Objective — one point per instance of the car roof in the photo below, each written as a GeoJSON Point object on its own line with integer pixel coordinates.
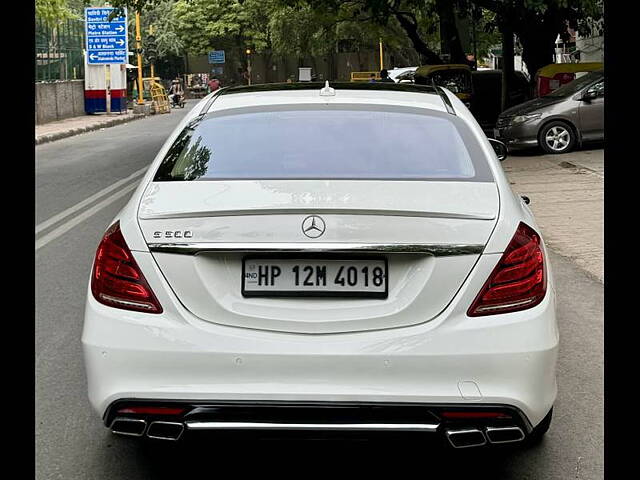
{"type": "Point", "coordinates": [356, 93]}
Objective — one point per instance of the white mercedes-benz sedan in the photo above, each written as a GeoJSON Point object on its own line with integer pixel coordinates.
{"type": "Point", "coordinates": [345, 257]}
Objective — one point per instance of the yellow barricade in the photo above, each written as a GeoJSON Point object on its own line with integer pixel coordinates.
{"type": "Point", "coordinates": [364, 76]}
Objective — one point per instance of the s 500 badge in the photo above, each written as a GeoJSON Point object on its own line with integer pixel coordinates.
{"type": "Point", "coordinates": [173, 234]}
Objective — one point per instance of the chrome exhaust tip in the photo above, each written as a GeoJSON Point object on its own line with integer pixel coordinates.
{"type": "Point", "coordinates": [133, 427]}
{"type": "Point", "coordinates": [504, 434]}
{"type": "Point", "coordinates": [466, 438]}
{"type": "Point", "coordinates": [165, 430]}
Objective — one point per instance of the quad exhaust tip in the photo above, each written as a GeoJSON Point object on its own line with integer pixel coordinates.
{"type": "Point", "coordinates": [165, 430]}
{"type": "Point", "coordinates": [476, 438]}
{"type": "Point", "coordinates": [505, 434]}
{"type": "Point", "coordinates": [466, 438]}
{"type": "Point", "coordinates": [133, 427]}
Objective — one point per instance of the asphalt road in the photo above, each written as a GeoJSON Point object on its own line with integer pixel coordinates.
{"type": "Point", "coordinates": [72, 443]}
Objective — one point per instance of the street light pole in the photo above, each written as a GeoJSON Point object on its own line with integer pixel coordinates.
{"type": "Point", "coordinates": [249, 65]}
{"type": "Point", "coordinates": [152, 66]}
{"type": "Point", "coordinates": [381, 59]}
{"type": "Point", "coordinates": [138, 49]}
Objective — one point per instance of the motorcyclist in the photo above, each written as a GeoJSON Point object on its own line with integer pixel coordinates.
{"type": "Point", "coordinates": [175, 92]}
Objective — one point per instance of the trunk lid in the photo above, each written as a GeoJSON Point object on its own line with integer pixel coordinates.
{"type": "Point", "coordinates": [233, 218]}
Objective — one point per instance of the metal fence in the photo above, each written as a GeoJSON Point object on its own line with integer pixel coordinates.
{"type": "Point", "coordinates": [59, 51]}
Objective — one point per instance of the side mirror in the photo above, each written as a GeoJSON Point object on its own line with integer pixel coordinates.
{"type": "Point", "coordinates": [589, 95]}
{"type": "Point", "coordinates": [499, 147]}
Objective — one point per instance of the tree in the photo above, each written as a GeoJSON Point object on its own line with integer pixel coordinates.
{"type": "Point", "coordinates": [54, 11]}
{"type": "Point", "coordinates": [166, 41]}
{"type": "Point", "coordinates": [537, 23]}
{"type": "Point", "coordinates": [409, 15]}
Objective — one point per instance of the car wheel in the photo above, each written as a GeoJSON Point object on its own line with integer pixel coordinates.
{"type": "Point", "coordinates": [538, 432]}
{"type": "Point", "coordinates": [557, 137]}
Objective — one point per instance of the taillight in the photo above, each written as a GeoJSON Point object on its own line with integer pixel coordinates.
{"type": "Point", "coordinates": [116, 280]}
{"type": "Point", "coordinates": [519, 280]}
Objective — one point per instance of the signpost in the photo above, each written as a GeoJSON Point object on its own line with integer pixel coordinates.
{"type": "Point", "coordinates": [216, 56]}
{"type": "Point", "coordinates": [106, 42]}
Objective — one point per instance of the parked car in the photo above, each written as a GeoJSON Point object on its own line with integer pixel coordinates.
{"type": "Point", "coordinates": [558, 122]}
{"type": "Point", "coordinates": [344, 258]}
{"type": "Point", "coordinates": [487, 99]}
{"type": "Point", "coordinates": [403, 74]}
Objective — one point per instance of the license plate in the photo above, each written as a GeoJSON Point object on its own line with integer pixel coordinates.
{"type": "Point", "coordinates": [285, 277]}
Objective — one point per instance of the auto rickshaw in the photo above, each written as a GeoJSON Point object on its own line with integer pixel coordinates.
{"type": "Point", "coordinates": [453, 77]}
{"type": "Point", "coordinates": [554, 75]}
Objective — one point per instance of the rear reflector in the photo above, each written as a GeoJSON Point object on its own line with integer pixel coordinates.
{"type": "Point", "coordinates": [152, 410]}
{"type": "Point", "coordinates": [519, 280]}
{"type": "Point", "coordinates": [116, 280]}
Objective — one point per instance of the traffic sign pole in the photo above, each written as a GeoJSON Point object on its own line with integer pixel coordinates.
{"type": "Point", "coordinates": [138, 49]}
{"type": "Point", "coordinates": [107, 74]}
{"type": "Point", "coordinates": [152, 66]}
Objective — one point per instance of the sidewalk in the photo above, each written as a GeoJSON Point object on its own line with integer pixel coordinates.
{"type": "Point", "coordinates": [68, 127]}
{"type": "Point", "coordinates": [567, 199]}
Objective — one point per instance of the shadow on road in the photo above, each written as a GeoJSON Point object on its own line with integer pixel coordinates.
{"type": "Point", "coordinates": [207, 456]}
{"type": "Point", "coordinates": [529, 152]}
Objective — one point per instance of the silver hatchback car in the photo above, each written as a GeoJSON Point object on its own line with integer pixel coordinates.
{"type": "Point", "coordinates": [569, 116]}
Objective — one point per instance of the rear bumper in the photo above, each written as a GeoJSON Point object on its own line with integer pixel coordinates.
{"type": "Point", "coordinates": [171, 420]}
{"type": "Point", "coordinates": [501, 360]}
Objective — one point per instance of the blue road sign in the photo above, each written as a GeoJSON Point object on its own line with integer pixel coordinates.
{"type": "Point", "coordinates": [106, 40]}
{"type": "Point", "coordinates": [216, 56]}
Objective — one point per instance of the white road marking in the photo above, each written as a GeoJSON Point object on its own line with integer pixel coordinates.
{"type": "Point", "coordinates": [65, 227]}
{"type": "Point", "coordinates": [65, 213]}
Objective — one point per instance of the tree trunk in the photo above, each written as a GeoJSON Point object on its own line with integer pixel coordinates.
{"type": "Point", "coordinates": [268, 66]}
{"type": "Point", "coordinates": [449, 35]}
{"type": "Point", "coordinates": [427, 56]}
{"type": "Point", "coordinates": [538, 50]}
{"type": "Point", "coordinates": [507, 64]}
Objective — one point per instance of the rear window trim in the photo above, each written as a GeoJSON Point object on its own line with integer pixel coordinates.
{"type": "Point", "coordinates": [483, 172]}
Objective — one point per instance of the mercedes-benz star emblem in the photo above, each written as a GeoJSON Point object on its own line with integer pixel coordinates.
{"type": "Point", "coordinates": [313, 226]}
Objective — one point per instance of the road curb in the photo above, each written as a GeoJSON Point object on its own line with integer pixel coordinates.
{"type": "Point", "coordinates": [76, 131]}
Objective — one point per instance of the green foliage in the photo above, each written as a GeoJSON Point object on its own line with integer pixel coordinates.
{"type": "Point", "coordinates": [203, 24]}
{"type": "Point", "coordinates": [314, 27]}
{"type": "Point", "coordinates": [166, 41]}
{"type": "Point", "coordinates": [54, 11]}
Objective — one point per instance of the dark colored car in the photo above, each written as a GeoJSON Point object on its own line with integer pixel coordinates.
{"type": "Point", "coordinates": [487, 99]}
{"type": "Point", "coordinates": [569, 116]}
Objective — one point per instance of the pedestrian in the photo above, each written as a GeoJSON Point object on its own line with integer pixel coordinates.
{"type": "Point", "coordinates": [384, 76]}
{"type": "Point", "coordinates": [214, 84]}
{"type": "Point", "coordinates": [372, 78]}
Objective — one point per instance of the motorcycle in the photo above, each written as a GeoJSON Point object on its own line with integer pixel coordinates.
{"type": "Point", "coordinates": [177, 100]}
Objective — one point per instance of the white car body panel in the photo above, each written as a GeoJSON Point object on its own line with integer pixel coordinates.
{"type": "Point", "coordinates": [212, 344]}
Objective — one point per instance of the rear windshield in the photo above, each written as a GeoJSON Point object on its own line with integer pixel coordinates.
{"type": "Point", "coordinates": [324, 143]}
